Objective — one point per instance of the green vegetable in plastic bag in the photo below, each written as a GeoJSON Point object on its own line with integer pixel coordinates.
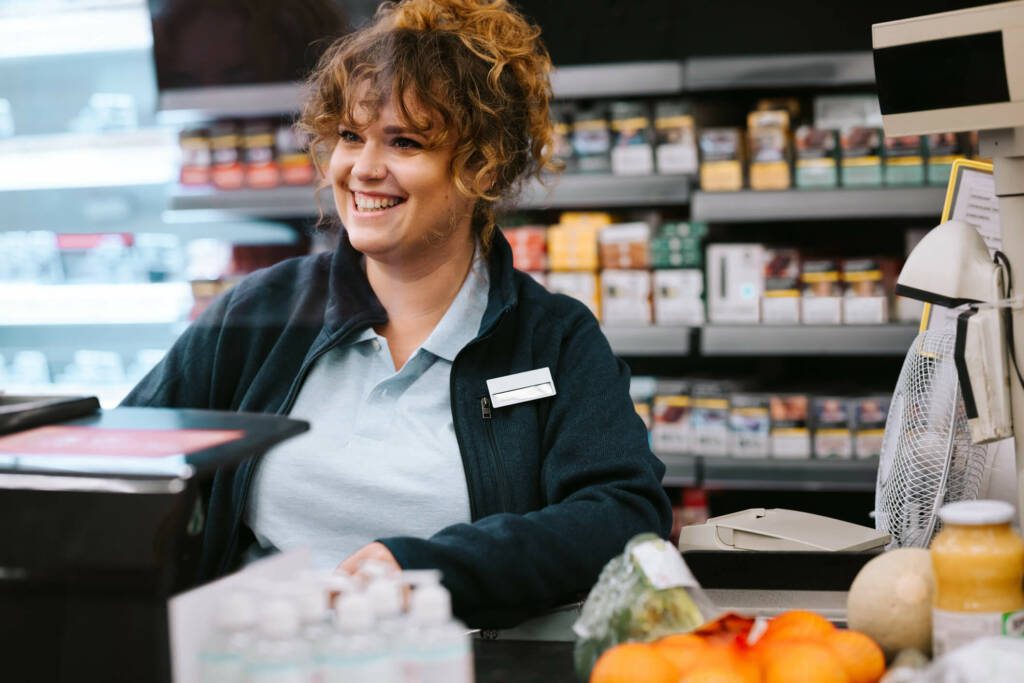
{"type": "Point", "coordinates": [641, 595]}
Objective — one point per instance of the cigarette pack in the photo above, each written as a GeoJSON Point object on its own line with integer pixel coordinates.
{"type": "Point", "coordinates": [781, 301]}
{"type": "Point", "coordinates": [626, 297]}
{"type": "Point", "coordinates": [672, 407]}
{"type": "Point", "coordinates": [643, 409]}
{"type": "Point", "coordinates": [625, 245]}
{"type": "Point", "coordinates": [529, 246]}
{"type": "Point", "coordinates": [679, 245]}
{"type": "Point", "coordinates": [870, 414]}
{"type": "Point", "coordinates": [561, 123]}
{"type": "Point", "coordinates": [678, 297]}
{"type": "Point", "coordinates": [749, 426]}
{"type": "Point", "coordinates": [710, 420]}
{"type": "Point", "coordinates": [790, 433]}
{"type": "Point", "coordinates": [904, 160]}
{"type": "Point", "coordinates": [582, 286]}
{"type": "Point", "coordinates": [722, 157]}
{"type": "Point", "coordinates": [942, 150]}
{"type": "Point", "coordinates": [632, 151]}
{"type": "Point", "coordinates": [864, 301]}
{"type": "Point", "coordinates": [833, 428]}
{"type": "Point", "coordinates": [821, 302]}
{"type": "Point", "coordinates": [573, 247]}
{"type": "Point", "coordinates": [592, 140]}
{"type": "Point", "coordinates": [817, 157]}
{"type": "Point", "coordinates": [768, 140]}
{"type": "Point", "coordinates": [196, 158]}
{"type": "Point", "coordinates": [861, 154]}
{"type": "Point", "coordinates": [675, 137]}
{"type": "Point", "coordinates": [735, 282]}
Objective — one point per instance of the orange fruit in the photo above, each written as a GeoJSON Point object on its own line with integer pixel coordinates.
{"type": "Point", "coordinates": [633, 663]}
{"type": "Point", "coordinates": [685, 650]}
{"type": "Point", "coordinates": [860, 656]}
{"type": "Point", "coordinates": [799, 624]}
{"type": "Point", "coordinates": [717, 673]}
{"type": "Point", "coordinates": [801, 661]}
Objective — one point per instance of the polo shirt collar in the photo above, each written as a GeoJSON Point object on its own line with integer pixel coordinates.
{"type": "Point", "coordinates": [461, 322]}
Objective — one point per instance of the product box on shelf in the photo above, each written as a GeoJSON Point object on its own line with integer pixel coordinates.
{"type": "Point", "coordinates": [678, 245]}
{"type": "Point", "coordinates": [749, 426]}
{"type": "Point", "coordinates": [582, 286]}
{"type": "Point", "coordinates": [817, 157]}
{"type": "Point", "coordinates": [842, 111]}
{"type": "Point", "coordinates": [259, 155]}
{"type": "Point", "coordinates": [870, 414]}
{"type": "Point", "coordinates": [196, 158]}
{"type": "Point", "coordinates": [821, 301]}
{"type": "Point", "coordinates": [833, 428]}
{"type": "Point", "coordinates": [529, 246]}
{"type": "Point", "coordinates": [675, 137]}
{"type": "Point", "coordinates": [769, 143]}
{"type": "Point", "coordinates": [643, 409]}
{"type": "Point", "coordinates": [592, 140]}
{"type": "Point", "coordinates": [670, 431]}
{"type": "Point", "coordinates": [625, 245]}
{"type": "Point", "coordinates": [561, 123]}
{"type": "Point", "coordinates": [227, 172]}
{"type": "Point", "coordinates": [632, 151]}
{"type": "Point", "coordinates": [678, 297]}
{"type": "Point", "coordinates": [722, 158]}
{"type": "Point", "coordinates": [573, 247]}
{"type": "Point", "coordinates": [780, 303]}
{"type": "Point", "coordinates": [942, 150]}
{"type": "Point", "coordinates": [710, 419]}
{"type": "Point", "coordinates": [904, 160]}
{"type": "Point", "coordinates": [735, 282]}
{"type": "Point", "coordinates": [295, 163]}
{"type": "Point", "coordinates": [865, 301]}
{"type": "Point", "coordinates": [861, 154]}
{"type": "Point", "coordinates": [626, 297]}
{"type": "Point", "coordinates": [790, 430]}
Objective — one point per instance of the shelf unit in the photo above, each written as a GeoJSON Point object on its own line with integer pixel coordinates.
{"type": "Point", "coordinates": [802, 205]}
{"type": "Point", "coordinates": [802, 340]}
{"type": "Point", "coordinates": [124, 337]}
{"type": "Point", "coordinates": [657, 340]}
{"type": "Point", "coordinates": [789, 475]}
{"type": "Point", "coordinates": [827, 69]}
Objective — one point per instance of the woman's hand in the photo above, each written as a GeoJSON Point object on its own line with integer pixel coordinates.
{"type": "Point", "coordinates": [374, 552]}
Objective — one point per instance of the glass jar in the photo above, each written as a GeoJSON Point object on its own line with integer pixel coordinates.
{"type": "Point", "coordinates": [979, 569]}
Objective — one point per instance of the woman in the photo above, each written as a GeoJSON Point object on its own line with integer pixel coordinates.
{"type": "Point", "coordinates": [420, 123]}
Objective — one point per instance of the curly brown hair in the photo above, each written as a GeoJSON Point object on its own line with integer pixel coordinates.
{"type": "Point", "coordinates": [476, 65]}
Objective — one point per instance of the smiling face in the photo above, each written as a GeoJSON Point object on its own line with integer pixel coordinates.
{"type": "Point", "coordinates": [394, 191]}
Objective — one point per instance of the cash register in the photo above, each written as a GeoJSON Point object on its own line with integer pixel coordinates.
{"type": "Point", "coordinates": [101, 522]}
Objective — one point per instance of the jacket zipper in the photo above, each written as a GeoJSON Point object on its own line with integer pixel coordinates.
{"type": "Point", "coordinates": [499, 466]}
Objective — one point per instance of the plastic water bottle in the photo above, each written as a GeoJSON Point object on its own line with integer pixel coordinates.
{"type": "Point", "coordinates": [437, 647]}
{"type": "Point", "coordinates": [222, 657]}
{"type": "Point", "coordinates": [279, 655]}
{"type": "Point", "coordinates": [354, 653]}
{"type": "Point", "coordinates": [386, 596]}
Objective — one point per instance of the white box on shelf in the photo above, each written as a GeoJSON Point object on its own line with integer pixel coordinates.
{"type": "Point", "coordinates": [581, 286]}
{"type": "Point", "coordinates": [735, 282]}
{"type": "Point", "coordinates": [821, 310]}
{"type": "Point", "coordinates": [626, 297]}
{"type": "Point", "coordinates": [865, 310]}
{"type": "Point", "coordinates": [780, 310]}
{"type": "Point", "coordinates": [678, 297]}
{"type": "Point", "coordinates": [749, 426]}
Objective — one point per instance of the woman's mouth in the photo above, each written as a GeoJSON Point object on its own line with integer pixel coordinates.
{"type": "Point", "coordinates": [367, 203]}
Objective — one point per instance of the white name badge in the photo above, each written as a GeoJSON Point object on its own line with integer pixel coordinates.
{"type": "Point", "coordinates": [521, 387]}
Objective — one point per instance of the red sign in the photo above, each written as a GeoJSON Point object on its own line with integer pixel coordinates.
{"type": "Point", "coordinates": [139, 443]}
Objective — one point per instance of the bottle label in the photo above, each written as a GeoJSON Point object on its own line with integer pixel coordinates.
{"type": "Point", "coordinates": [663, 566]}
{"type": "Point", "coordinates": [950, 630]}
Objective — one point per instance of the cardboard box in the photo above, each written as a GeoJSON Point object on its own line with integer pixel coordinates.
{"type": "Point", "coordinates": [675, 137]}
{"type": "Point", "coordinates": [678, 297]}
{"type": "Point", "coordinates": [749, 426]}
{"type": "Point", "coordinates": [735, 282]}
{"type": "Point", "coordinates": [625, 245]}
{"type": "Point", "coordinates": [722, 157]}
{"type": "Point", "coordinates": [626, 297]}
{"type": "Point", "coordinates": [904, 160]}
{"type": "Point", "coordinates": [780, 303]}
{"type": "Point", "coordinates": [817, 157]}
{"type": "Point", "coordinates": [861, 156]}
{"type": "Point", "coordinates": [582, 286]}
{"type": "Point", "coordinates": [870, 414]}
{"type": "Point", "coordinates": [768, 140]}
{"type": "Point", "coordinates": [833, 428]}
{"type": "Point", "coordinates": [864, 301]}
{"type": "Point", "coordinates": [821, 301]}
{"type": "Point", "coordinates": [790, 432]}
{"type": "Point", "coordinates": [632, 148]}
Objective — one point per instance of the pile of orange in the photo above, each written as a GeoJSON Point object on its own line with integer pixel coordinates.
{"type": "Point", "coordinates": [796, 647]}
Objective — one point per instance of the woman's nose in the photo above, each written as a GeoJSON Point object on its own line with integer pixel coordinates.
{"type": "Point", "coordinates": [369, 165]}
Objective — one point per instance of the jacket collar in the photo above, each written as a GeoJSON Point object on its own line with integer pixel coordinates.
{"type": "Point", "coordinates": [351, 300]}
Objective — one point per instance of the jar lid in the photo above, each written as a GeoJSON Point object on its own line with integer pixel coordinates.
{"type": "Point", "coordinates": [977, 512]}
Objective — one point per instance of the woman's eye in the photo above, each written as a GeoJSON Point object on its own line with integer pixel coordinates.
{"type": "Point", "coordinates": [348, 136]}
{"type": "Point", "coordinates": [406, 143]}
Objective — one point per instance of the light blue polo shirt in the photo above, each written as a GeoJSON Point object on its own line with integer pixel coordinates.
{"type": "Point", "coordinates": [380, 458]}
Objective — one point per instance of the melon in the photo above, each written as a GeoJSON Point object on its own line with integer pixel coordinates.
{"type": "Point", "coordinates": [891, 600]}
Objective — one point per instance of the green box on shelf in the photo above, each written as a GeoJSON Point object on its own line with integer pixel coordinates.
{"type": "Point", "coordinates": [812, 177]}
{"type": "Point", "coordinates": [904, 160]}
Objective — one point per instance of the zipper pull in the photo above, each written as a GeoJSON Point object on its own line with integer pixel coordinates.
{"type": "Point", "coordinates": [485, 407]}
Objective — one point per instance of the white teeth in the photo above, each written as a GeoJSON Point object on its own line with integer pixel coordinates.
{"type": "Point", "coordinates": [364, 203]}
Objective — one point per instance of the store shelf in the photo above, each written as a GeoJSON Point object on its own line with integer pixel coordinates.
{"type": "Point", "coordinates": [123, 337]}
{"type": "Point", "coordinates": [780, 71]}
{"type": "Point", "coordinates": [194, 105]}
{"type": "Point", "coordinates": [281, 202]}
{"type": "Point", "coordinates": [629, 79]}
{"type": "Point", "coordinates": [797, 205]}
{"type": "Point", "coordinates": [680, 470]}
{"type": "Point", "coordinates": [803, 340]}
{"type": "Point", "coordinates": [789, 475]}
{"type": "Point", "coordinates": [657, 340]}
{"type": "Point", "coordinates": [590, 191]}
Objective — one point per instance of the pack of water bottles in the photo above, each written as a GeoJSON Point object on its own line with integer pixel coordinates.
{"type": "Point", "coordinates": [323, 628]}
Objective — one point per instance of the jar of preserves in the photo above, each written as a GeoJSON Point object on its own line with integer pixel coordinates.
{"type": "Point", "coordinates": [979, 569]}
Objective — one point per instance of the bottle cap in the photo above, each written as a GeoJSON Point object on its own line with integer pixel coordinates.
{"type": "Point", "coordinates": [354, 613]}
{"type": "Point", "coordinates": [385, 594]}
{"type": "Point", "coordinates": [278, 619]}
{"type": "Point", "coordinates": [977, 512]}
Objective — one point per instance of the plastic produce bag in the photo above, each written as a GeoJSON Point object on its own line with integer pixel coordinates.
{"type": "Point", "coordinates": [641, 595]}
{"type": "Point", "coordinates": [999, 659]}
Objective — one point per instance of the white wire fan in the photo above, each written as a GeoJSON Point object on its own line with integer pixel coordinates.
{"type": "Point", "coordinates": [927, 456]}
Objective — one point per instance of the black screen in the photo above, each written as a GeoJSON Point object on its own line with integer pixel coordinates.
{"type": "Point", "coordinates": [202, 43]}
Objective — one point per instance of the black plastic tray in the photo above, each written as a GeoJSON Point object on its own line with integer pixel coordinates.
{"type": "Point", "coordinates": [21, 412]}
{"type": "Point", "coordinates": [759, 570]}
